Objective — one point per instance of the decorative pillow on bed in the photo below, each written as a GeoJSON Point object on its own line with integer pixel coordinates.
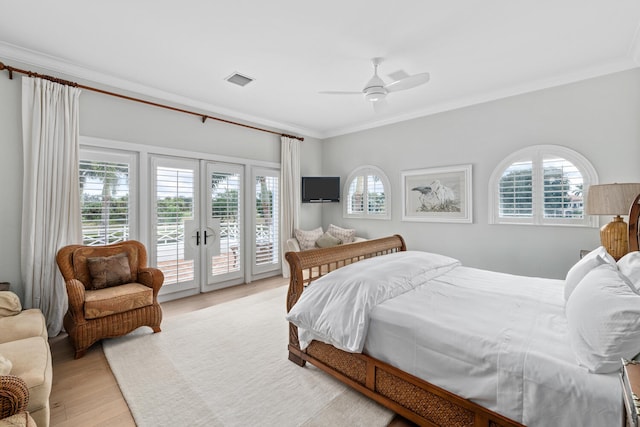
{"type": "Point", "coordinates": [307, 239]}
{"type": "Point", "coordinates": [327, 241]}
{"type": "Point", "coordinates": [580, 269]}
{"type": "Point", "coordinates": [603, 317]}
{"type": "Point", "coordinates": [346, 235]}
{"type": "Point", "coordinates": [109, 271]}
{"type": "Point", "coordinates": [629, 265]}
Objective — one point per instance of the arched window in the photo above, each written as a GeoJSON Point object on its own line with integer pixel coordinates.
{"type": "Point", "coordinates": [541, 185]}
{"type": "Point", "coordinates": [367, 191]}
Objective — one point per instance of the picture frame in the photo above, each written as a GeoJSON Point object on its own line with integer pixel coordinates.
{"type": "Point", "coordinates": [441, 194]}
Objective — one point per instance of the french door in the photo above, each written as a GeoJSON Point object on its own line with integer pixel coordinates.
{"type": "Point", "coordinates": [199, 224]}
{"type": "Point", "coordinates": [223, 213]}
{"type": "Point", "coordinates": [266, 221]}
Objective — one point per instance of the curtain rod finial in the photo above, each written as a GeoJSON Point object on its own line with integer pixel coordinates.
{"type": "Point", "coordinates": [4, 67]}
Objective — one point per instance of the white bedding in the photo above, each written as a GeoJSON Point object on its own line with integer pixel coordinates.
{"type": "Point", "coordinates": [497, 339]}
{"type": "Point", "coordinates": [321, 312]}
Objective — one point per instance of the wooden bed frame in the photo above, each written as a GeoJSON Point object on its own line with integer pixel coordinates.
{"type": "Point", "coordinates": [405, 394]}
{"type": "Point", "coordinates": [411, 397]}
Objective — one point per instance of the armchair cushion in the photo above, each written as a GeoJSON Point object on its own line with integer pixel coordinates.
{"type": "Point", "coordinates": [116, 299]}
{"type": "Point", "coordinates": [107, 271]}
{"type": "Point", "coordinates": [28, 323]}
{"type": "Point", "coordinates": [9, 304]}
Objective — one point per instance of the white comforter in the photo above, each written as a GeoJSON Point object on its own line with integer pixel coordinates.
{"type": "Point", "coordinates": [335, 308]}
{"type": "Point", "coordinates": [497, 339]}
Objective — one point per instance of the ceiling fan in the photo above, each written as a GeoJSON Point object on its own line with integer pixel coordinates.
{"type": "Point", "coordinates": [376, 90]}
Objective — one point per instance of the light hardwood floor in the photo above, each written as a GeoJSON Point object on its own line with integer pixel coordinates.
{"type": "Point", "coordinates": [85, 392]}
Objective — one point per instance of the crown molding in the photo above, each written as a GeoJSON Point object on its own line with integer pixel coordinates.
{"type": "Point", "coordinates": [48, 63]}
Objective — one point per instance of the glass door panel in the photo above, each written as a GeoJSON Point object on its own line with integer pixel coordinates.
{"type": "Point", "coordinates": [224, 221]}
{"type": "Point", "coordinates": [176, 212]}
{"type": "Point", "coordinates": [266, 233]}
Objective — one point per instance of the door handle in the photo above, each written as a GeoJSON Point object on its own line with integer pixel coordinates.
{"type": "Point", "coordinates": [198, 239]}
{"type": "Point", "coordinates": [205, 237]}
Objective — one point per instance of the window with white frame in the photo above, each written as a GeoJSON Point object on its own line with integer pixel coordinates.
{"type": "Point", "coordinates": [107, 184]}
{"type": "Point", "coordinates": [541, 185]}
{"type": "Point", "coordinates": [368, 194]}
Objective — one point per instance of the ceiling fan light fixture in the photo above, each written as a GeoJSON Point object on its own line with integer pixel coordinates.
{"type": "Point", "coordinates": [376, 90]}
{"type": "Point", "coordinates": [375, 95]}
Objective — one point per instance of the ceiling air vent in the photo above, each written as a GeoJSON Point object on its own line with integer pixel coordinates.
{"type": "Point", "coordinates": [239, 79]}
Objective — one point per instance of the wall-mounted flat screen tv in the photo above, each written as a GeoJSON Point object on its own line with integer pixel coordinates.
{"type": "Point", "coordinates": [320, 189]}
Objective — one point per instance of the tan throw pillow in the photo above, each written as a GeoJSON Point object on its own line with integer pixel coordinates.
{"type": "Point", "coordinates": [9, 304]}
{"type": "Point", "coordinates": [347, 235]}
{"type": "Point", "coordinates": [5, 365]}
{"type": "Point", "coordinates": [307, 239]}
{"type": "Point", "coordinates": [109, 271]}
{"type": "Point", "coordinates": [327, 241]}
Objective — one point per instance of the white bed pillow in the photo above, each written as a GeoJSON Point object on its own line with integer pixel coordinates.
{"type": "Point", "coordinates": [307, 238]}
{"type": "Point", "coordinates": [603, 317]}
{"type": "Point", "coordinates": [580, 269]}
{"type": "Point", "coordinates": [629, 265]}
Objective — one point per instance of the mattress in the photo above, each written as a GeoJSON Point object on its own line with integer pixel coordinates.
{"type": "Point", "coordinates": [499, 340]}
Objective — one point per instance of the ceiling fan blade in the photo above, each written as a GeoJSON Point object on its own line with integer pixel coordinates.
{"type": "Point", "coordinates": [398, 75]}
{"type": "Point", "coordinates": [339, 92]}
{"type": "Point", "coordinates": [380, 105]}
{"type": "Point", "coordinates": [408, 82]}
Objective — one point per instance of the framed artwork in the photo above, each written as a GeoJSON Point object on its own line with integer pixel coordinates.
{"type": "Point", "coordinates": [437, 194]}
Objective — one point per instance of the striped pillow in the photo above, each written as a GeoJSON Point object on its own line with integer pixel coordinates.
{"type": "Point", "coordinates": [307, 239]}
{"type": "Point", "coordinates": [347, 235]}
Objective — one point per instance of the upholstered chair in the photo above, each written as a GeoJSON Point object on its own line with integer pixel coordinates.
{"type": "Point", "coordinates": [111, 291]}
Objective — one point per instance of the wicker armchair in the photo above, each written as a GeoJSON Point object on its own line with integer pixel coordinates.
{"type": "Point", "coordinates": [14, 397]}
{"type": "Point", "coordinates": [107, 299]}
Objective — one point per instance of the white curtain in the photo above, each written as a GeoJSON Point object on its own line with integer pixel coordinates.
{"type": "Point", "coordinates": [51, 199]}
{"type": "Point", "coordinates": [290, 196]}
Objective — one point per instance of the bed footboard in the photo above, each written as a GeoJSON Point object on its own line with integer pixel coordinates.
{"type": "Point", "coordinates": [409, 396]}
{"type": "Point", "coordinates": [307, 266]}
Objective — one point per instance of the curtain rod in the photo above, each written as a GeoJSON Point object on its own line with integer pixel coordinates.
{"type": "Point", "coordinates": [204, 117]}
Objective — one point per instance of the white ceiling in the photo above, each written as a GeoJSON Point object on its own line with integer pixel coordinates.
{"type": "Point", "coordinates": [181, 51]}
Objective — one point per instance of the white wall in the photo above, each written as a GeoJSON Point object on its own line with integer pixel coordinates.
{"type": "Point", "coordinates": [112, 118]}
{"type": "Point", "coordinates": [599, 118]}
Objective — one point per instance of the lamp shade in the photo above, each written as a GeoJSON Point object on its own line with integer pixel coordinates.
{"type": "Point", "coordinates": [611, 199]}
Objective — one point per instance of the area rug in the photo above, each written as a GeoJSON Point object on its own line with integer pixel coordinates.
{"type": "Point", "coordinates": [227, 365]}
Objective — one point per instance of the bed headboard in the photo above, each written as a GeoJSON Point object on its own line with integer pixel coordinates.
{"type": "Point", "coordinates": [634, 213]}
